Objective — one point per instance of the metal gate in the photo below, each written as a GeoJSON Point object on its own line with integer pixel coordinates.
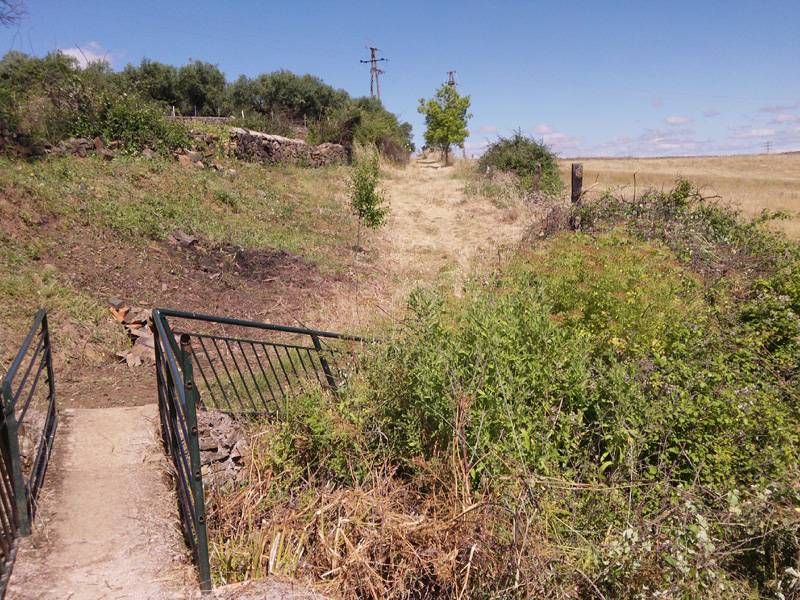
{"type": "Point", "coordinates": [239, 367]}
{"type": "Point", "coordinates": [26, 438]}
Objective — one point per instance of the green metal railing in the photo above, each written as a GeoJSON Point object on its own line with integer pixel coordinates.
{"type": "Point", "coordinates": [239, 367]}
{"type": "Point", "coordinates": [26, 438]}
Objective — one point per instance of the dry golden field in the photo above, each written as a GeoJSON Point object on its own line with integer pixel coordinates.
{"type": "Point", "coordinates": [750, 182]}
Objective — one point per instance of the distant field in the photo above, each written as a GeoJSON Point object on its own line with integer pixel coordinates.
{"type": "Point", "coordinates": [751, 182]}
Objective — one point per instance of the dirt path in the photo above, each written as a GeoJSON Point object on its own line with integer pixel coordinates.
{"type": "Point", "coordinates": [108, 530]}
{"type": "Point", "coordinates": [435, 227]}
{"type": "Point", "coordinates": [436, 233]}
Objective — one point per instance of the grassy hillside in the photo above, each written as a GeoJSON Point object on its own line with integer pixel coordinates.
{"type": "Point", "coordinates": [78, 231]}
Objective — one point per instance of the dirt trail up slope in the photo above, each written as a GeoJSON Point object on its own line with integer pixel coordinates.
{"type": "Point", "coordinates": [435, 233]}
{"type": "Point", "coordinates": [433, 225]}
{"type": "Point", "coordinates": [109, 529]}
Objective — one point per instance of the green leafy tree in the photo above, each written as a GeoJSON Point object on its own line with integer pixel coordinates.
{"type": "Point", "coordinates": [201, 86]}
{"type": "Point", "coordinates": [154, 80]}
{"type": "Point", "coordinates": [446, 116]}
{"type": "Point", "coordinates": [367, 201]}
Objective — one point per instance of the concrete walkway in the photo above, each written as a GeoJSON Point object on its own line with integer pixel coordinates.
{"type": "Point", "coordinates": [107, 524]}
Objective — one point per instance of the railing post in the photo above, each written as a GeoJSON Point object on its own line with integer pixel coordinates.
{"type": "Point", "coordinates": [577, 183]}
{"type": "Point", "coordinates": [165, 411]}
{"type": "Point", "coordinates": [47, 438]}
{"type": "Point", "coordinates": [17, 480]}
{"type": "Point", "coordinates": [324, 362]}
{"type": "Point", "coordinates": [48, 357]}
{"type": "Point", "coordinates": [536, 181]}
{"type": "Point", "coordinates": [190, 392]}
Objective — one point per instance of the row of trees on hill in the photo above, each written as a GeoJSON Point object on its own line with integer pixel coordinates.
{"type": "Point", "coordinates": [274, 102]}
{"type": "Point", "coordinates": [47, 98]}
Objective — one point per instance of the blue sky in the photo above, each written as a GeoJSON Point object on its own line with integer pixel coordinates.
{"type": "Point", "coordinates": [590, 78]}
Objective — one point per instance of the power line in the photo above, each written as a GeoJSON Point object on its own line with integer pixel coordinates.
{"type": "Point", "coordinates": [374, 72]}
{"type": "Point", "coordinates": [767, 147]}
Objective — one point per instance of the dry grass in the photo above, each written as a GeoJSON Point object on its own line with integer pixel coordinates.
{"type": "Point", "coordinates": [751, 183]}
{"type": "Point", "coordinates": [440, 227]}
{"type": "Point", "coordinates": [382, 539]}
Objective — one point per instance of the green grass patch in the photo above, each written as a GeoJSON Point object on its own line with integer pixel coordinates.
{"type": "Point", "coordinates": [289, 208]}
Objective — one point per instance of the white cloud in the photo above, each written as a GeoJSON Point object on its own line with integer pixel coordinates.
{"type": "Point", "coordinates": [87, 54]}
{"type": "Point", "coordinates": [654, 142]}
{"type": "Point", "coordinates": [779, 108]}
{"type": "Point", "coordinates": [752, 132]}
{"type": "Point", "coordinates": [785, 118]}
{"type": "Point", "coordinates": [677, 120]}
{"type": "Point", "coordinates": [560, 142]}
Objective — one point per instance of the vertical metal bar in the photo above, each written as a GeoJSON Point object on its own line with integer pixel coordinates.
{"type": "Point", "coordinates": [272, 367]}
{"type": "Point", "coordinates": [252, 375]}
{"type": "Point", "coordinates": [291, 364]}
{"type": "Point", "coordinates": [17, 481]}
{"type": "Point", "coordinates": [228, 373]}
{"type": "Point", "coordinates": [163, 405]}
{"type": "Point", "coordinates": [324, 362]}
{"type": "Point", "coordinates": [314, 366]}
{"type": "Point", "coordinates": [51, 380]}
{"type": "Point", "coordinates": [241, 375]}
{"type": "Point", "coordinates": [216, 376]}
{"type": "Point", "coordinates": [194, 458]}
{"type": "Point", "coordinates": [264, 374]}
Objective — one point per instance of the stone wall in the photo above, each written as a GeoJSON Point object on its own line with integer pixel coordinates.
{"type": "Point", "coordinates": [247, 144]}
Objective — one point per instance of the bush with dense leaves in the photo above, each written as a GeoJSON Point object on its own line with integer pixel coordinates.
{"type": "Point", "coordinates": [126, 119]}
{"type": "Point", "coordinates": [520, 155]}
{"type": "Point", "coordinates": [365, 121]}
{"type": "Point", "coordinates": [50, 99]}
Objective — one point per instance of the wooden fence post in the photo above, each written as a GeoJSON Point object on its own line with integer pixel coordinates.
{"type": "Point", "coordinates": [577, 182]}
{"type": "Point", "coordinates": [577, 190]}
{"type": "Point", "coordinates": [537, 177]}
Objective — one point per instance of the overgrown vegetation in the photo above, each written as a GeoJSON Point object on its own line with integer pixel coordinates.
{"type": "Point", "coordinates": [49, 99]}
{"type": "Point", "coordinates": [286, 207]}
{"type": "Point", "coordinates": [531, 161]}
{"type": "Point", "coordinates": [49, 206]}
{"type": "Point", "coordinates": [610, 414]}
{"type": "Point", "coordinates": [365, 122]}
{"type": "Point", "coordinates": [44, 100]}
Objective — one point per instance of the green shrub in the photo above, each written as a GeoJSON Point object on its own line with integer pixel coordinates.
{"type": "Point", "coordinates": [45, 100]}
{"type": "Point", "coordinates": [596, 359]}
{"type": "Point", "coordinates": [50, 99]}
{"type": "Point", "coordinates": [127, 119]}
{"type": "Point", "coordinates": [366, 200]}
{"type": "Point", "coordinates": [365, 121]}
{"type": "Point", "coordinates": [520, 155]}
